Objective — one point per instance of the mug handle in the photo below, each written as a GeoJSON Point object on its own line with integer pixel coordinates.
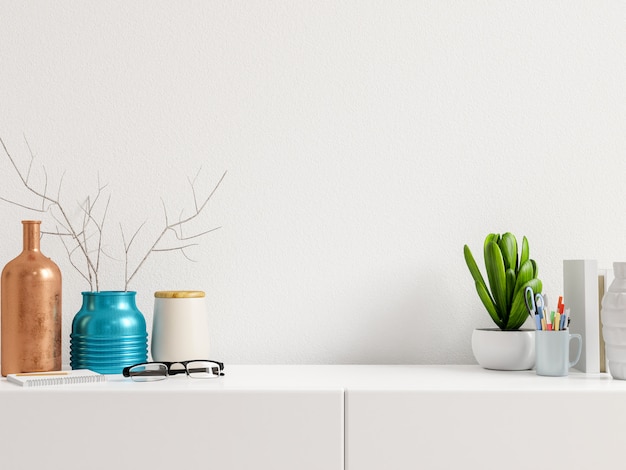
{"type": "Point", "coordinates": [580, 348]}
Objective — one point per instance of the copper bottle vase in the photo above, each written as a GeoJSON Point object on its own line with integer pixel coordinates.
{"type": "Point", "coordinates": [31, 309]}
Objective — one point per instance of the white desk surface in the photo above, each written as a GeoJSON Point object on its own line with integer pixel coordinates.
{"type": "Point", "coordinates": [353, 377]}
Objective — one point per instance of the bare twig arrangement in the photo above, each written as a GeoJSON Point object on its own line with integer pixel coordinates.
{"type": "Point", "coordinates": [175, 227]}
{"type": "Point", "coordinates": [84, 238]}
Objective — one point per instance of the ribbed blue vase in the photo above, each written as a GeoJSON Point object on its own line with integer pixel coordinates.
{"type": "Point", "coordinates": [108, 333]}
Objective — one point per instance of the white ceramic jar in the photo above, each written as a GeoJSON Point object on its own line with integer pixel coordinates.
{"type": "Point", "coordinates": [180, 327]}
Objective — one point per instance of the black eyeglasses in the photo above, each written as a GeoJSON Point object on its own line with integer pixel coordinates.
{"type": "Point", "coordinates": [152, 371]}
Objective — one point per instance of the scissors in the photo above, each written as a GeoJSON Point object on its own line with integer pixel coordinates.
{"type": "Point", "coordinates": [540, 304]}
{"type": "Point", "coordinates": [535, 305]}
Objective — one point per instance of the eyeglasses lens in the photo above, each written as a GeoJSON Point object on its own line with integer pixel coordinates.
{"type": "Point", "coordinates": [148, 372]}
{"type": "Point", "coordinates": [203, 369]}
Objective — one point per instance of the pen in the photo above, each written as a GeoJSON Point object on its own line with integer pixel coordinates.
{"type": "Point", "coordinates": [565, 319]}
{"type": "Point", "coordinates": [540, 303]}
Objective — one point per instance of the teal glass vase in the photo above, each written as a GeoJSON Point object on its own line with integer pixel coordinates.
{"type": "Point", "coordinates": [108, 333]}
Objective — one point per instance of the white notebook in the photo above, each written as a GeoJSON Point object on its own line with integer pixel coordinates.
{"type": "Point", "coordinates": [62, 377]}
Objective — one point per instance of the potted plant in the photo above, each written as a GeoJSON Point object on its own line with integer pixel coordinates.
{"type": "Point", "coordinates": [506, 347]}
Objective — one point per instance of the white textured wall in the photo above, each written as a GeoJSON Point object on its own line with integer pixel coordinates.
{"type": "Point", "coordinates": [365, 143]}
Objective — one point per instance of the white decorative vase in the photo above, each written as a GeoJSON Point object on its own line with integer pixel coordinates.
{"type": "Point", "coordinates": [504, 349]}
{"type": "Point", "coordinates": [614, 322]}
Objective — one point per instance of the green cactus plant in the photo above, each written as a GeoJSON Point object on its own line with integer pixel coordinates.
{"type": "Point", "coordinates": [508, 278]}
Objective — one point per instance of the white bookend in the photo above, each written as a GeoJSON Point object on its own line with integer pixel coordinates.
{"type": "Point", "coordinates": [580, 295]}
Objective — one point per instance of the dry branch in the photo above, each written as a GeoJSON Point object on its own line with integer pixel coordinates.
{"type": "Point", "coordinates": [77, 237]}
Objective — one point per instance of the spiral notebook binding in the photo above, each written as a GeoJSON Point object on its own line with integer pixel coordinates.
{"type": "Point", "coordinates": [82, 376]}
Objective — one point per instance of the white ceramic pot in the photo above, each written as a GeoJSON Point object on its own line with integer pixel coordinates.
{"type": "Point", "coordinates": [504, 349]}
{"type": "Point", "coordinates": [614, 322]}
{"type": "Point", "coordinates": [180, 328]}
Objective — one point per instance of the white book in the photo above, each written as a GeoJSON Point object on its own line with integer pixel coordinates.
{"type": "Point", "coordinates": [61, 377]}
{"type": "Point", "coordinates": [580, 295]}
{"type": "Point", "coordinates": [605, 278]}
